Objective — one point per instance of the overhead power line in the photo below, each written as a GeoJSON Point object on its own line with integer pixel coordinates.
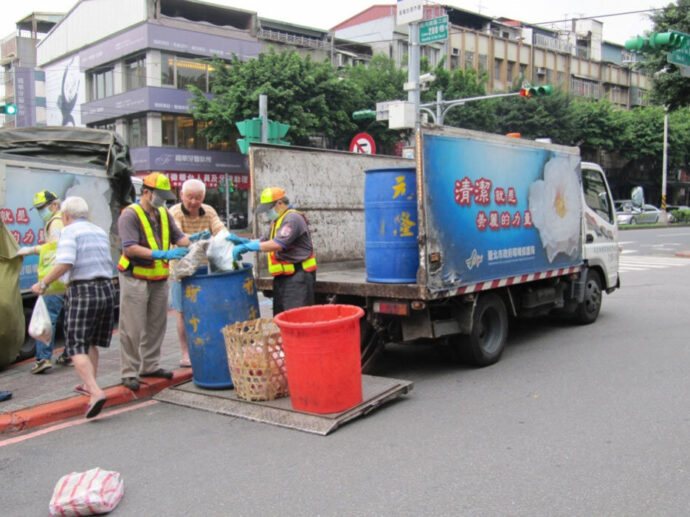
{"type": "Point", "coordinates": [601, 16]}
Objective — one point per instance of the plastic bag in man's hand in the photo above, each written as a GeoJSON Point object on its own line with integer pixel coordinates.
{"type": "Point", "coordinates": [192, 261]}
{"type": "Point", "coordinates": [40, 327]}
{"type": "Point", "coordinates": [92, 492]}
{"type": "Point", "coordinates": [220, 253]}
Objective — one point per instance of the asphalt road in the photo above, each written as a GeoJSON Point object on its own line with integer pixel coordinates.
{"type": "Point", "coordinates": [574, 420]}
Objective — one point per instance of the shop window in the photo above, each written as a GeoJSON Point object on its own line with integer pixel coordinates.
{"type": "Point", "coordinates": [135, 73]}
{"type": "Point", "coordinates": [180, 72]}
{"type": "Point", "coordinates": [136, 132]}
{"type": "Point", "coordinates": [183, 131]}
{"type": "Point", "coordinates": [169, 130]}
{"type": "Point", "coordinates": [101, 84]}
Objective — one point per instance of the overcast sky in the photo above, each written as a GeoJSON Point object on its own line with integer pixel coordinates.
{"type": "Point", "coordinates": [325, 14]}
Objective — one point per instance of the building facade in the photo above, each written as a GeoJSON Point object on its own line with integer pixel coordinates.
{"type": "Point", "coordinates": [124, 65]}
{"type": "Point", "coordinates": [23, 84]}
{"type": "Point", "coordinates": [509, 52]}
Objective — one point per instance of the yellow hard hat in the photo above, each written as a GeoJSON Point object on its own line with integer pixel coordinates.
{"type": "Point", "coordinates": [161, 184]}
{"type": "Point", "coordinates": [43, 197]}
{"type": "Point", "coordinates": [268, 197]}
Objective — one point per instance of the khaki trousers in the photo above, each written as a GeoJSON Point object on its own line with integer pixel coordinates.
{"type": "Point", "coordinates": [143, 320]}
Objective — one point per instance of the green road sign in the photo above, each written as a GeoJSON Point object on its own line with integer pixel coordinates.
{"type": "Point", "coordinates": [679, 57]}
{"type": "Point", "coordinates": [432, 30]}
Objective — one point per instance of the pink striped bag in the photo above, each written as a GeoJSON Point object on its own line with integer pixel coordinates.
{"type": "Point", "coordinates": [92, 492]}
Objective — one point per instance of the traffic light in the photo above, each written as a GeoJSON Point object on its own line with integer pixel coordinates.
{"type": "Point", "coordinates": [666, 41]}
{"type": "Point", "coordinates": [250, 129]}
{"type": "Point", "coordinates": [276, 131]}
{"type": "Point", "coordinates": [637, 45]}
{"type": "Point", "coordinates": [536, 91]}
{"type": "Point", "coordinates": [363, 114]}
{"type": "Point", "coordinates": [8, 109]}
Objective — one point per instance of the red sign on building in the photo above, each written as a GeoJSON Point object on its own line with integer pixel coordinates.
{"type": "Point", "coordinates": [210, 179]}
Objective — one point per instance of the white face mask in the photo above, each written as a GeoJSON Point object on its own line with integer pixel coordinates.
{"type": "Point", "coordinates": [272, 214]}
{"type": "Point", "coordinates": [157, 201]}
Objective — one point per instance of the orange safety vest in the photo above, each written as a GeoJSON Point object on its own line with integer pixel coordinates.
{"type": "Point", "coordinates": [158, 270]}
{"type": "Point", "coordinates": [280, 267]}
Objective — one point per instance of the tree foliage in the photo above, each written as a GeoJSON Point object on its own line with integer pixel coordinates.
{"type": "Point", "coordinates": [380, 81]}
{"type": "Point", "coordinates": [308, 96]}
{"type": "Point", "coordinates": [318, 100]}
{"type": "Point", "coordinates": [670, 88]}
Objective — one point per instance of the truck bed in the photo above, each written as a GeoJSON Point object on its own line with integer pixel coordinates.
{"type": "Point", "coordinates": [349, 278]}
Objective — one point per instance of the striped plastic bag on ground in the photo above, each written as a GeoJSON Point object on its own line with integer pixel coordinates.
{"type": "Point", "coordinates": [92, 492]}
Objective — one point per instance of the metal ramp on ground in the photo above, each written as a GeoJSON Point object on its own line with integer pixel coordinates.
{"type": "Point", "coordinates": [376, 391]}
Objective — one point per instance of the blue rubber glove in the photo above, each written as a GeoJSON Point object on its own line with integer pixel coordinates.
{"type": "Point", "coordinates": [241, 249]}
{"type": "Point", "coordinates": [173, 254]}
{"type": "Point", "coordinates": [204, 234]}
{"type": "Point", "coordinates": [236, 239]}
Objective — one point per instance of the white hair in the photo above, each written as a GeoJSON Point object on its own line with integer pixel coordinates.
{"type": "Point", "coordinates": [195, 185]}
{"type": "Point", "coordinates": [76, 207]}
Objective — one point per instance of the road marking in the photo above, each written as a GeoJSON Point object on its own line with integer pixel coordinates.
{"type": "Point", "coordinates": [645, 263]}
{"type": "Point", "coordinates": [72, 423]}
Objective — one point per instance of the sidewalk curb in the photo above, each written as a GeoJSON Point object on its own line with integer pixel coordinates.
{"type": "Point", "coordinates": [51, 412]}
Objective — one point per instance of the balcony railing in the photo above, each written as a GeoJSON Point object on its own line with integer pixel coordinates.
{"type": "Point", "coordinates": [293, 39]}
{"type": "Point", "coordinates": [555, 44]}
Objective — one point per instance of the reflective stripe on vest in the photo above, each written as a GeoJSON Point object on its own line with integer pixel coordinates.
{"type": "Point", "coordinates": [281, 267]}
{"type": "Point", "coordinates": [158, 270]}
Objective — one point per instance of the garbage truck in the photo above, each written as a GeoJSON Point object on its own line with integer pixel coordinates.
{"type": "Point", "coordinates": [476, 229]}
{"type": "Point", "coordinates": [90, 163]}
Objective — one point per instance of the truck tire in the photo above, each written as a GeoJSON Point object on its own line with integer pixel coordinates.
{"type": "Point", "coordinates": [487, 340]}
{"type": "Point", "coordinates": [588, 309]}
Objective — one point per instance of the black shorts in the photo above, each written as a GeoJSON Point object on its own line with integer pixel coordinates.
{"type": "Point", "coordinates": [89, 315]}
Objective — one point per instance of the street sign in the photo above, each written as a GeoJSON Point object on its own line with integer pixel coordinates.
{"type": "Point", "coordinates": [679, 57]}
{"type": "Point", "coordinates": [409, 11]}
{"type": "Point", "coordinates": [363, 143]}
{"type": "Point", "coordinates": [432, 30]}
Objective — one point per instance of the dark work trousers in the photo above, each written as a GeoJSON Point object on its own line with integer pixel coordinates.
{"type": "Point", "coordinates": [292, 291]}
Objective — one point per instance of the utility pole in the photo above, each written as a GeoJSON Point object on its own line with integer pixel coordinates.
{"type": "Point", "coordinates": [664, 164]}
{"type": "Point", "coordinates": [413, 95]}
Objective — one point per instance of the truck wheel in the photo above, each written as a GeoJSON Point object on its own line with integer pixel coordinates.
{"type": "Point", "coordinates": [588, 309]}
{"type": "Point", "coordinates": [489, 330]}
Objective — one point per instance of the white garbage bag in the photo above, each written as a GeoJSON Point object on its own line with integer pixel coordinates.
{"type": "Point", "coordinates": [219, 253]}
{"type": "Point", "coordinates": [92, 492]}
{"type": "Point", "coordinates": [40, 327]}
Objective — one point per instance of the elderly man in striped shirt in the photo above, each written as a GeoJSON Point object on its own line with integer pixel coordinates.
{"type": "Point", "coordinates": [83, 251]}
{"type": "Point", "coordinates": [197, 220]}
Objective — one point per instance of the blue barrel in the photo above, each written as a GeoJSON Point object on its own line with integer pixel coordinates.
{"type": "Point", "coordinates": [390, 222]}
{"type": "Point", "coordinates": [209, 303]}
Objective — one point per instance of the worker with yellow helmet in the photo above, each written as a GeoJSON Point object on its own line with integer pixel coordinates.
{"type": "Point", "coordinates": [48, 206]}
{"type": "Point", "coordinates": [291, 259]}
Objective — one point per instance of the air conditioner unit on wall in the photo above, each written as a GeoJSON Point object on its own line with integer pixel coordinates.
{"type": "Point", "coordinates": [455, 51]}
{"type": "Point", "coordinates": [541, 70]}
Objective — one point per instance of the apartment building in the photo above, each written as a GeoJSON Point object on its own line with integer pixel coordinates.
{"type": "Point", "coordinates": [509, 52]}
{"type": "Point", "coordinates": [22, 83]}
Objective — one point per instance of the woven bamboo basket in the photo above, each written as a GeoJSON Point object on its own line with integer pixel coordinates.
{"type": "Point", "coordinates": [256, 359]}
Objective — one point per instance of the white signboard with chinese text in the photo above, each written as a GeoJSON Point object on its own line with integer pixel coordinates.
{"type": "Point", "coordinates": [409, 11]}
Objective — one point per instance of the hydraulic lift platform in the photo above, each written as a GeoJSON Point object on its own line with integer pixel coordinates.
{"type": "Point", "coordinates": [375, 390]}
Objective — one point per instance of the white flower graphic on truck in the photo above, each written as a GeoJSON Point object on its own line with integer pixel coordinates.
{"type": "Point", "coordinates": [556, 208]}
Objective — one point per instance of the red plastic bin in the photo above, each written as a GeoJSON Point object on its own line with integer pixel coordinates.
{"type": "Point", "coordinates": [322, 356]}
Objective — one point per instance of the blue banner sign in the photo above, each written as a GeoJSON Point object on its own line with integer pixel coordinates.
{"type": "Point", "coordinates": [497, 209]}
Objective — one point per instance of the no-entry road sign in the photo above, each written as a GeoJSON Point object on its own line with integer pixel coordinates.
{"type": "Point", "coordinates": [363, 143]}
